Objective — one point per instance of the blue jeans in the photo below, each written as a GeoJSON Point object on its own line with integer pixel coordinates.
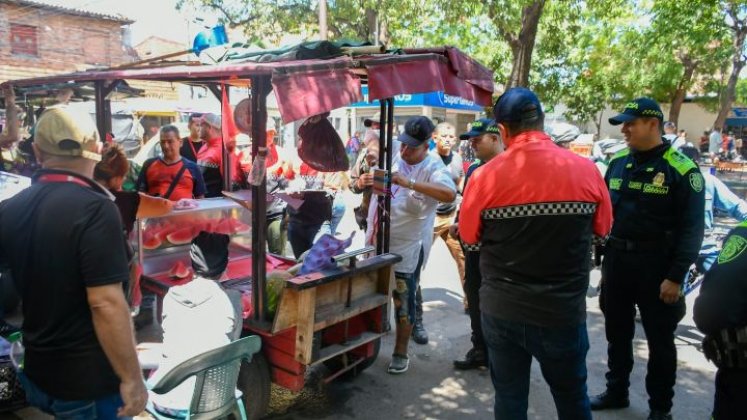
{"type": "Point", "coordinates": [100, 409]}
{"type": "Point", "coordinates": [338, 210]}
{"type": "Point", "coordinates": [561, 352]}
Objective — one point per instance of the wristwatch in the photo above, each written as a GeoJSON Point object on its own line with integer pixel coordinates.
{"type": "Point", "coordinates": [411, 184]}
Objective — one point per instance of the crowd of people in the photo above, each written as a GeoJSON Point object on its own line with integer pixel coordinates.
{"type": "Point", "coordinates": [520, 219]}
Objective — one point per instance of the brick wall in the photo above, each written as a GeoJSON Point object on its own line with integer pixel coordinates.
{"type": "Point", "coordinates": [64, 42]}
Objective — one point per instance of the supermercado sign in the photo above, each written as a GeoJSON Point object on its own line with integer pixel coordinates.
{"type": "Point", "coordinates": [436, 99]}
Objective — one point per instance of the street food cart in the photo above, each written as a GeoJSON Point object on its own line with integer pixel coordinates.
{"type": "Point", "coordinates": [337, 316]}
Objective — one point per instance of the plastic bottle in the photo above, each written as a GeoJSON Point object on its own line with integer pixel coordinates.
{"type": "Point", "coordinates": [259, 167]}
{"type": "Point", "coordinates": [16, 350]}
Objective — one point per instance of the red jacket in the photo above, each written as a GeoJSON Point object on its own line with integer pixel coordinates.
{"type": "Point", "coordinates": [533, 209]}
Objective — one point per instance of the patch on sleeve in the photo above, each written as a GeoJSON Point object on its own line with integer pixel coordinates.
{"type": "Point", "coordinates": [696, 181]}
{"type": "Point", "coordinates": [733, 248]}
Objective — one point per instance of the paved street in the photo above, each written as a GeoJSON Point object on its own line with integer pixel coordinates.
{"type": "Point", "coordinates": [431, 389]}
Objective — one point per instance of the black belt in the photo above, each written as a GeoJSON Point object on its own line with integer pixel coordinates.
{"type": "Point", "coordinates": [630, 245]}
{"type": "Point", "coordinates": [727, 348]}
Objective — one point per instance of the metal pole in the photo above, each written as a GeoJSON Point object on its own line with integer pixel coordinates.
{"type": "Point", "coordinates": [103, 112]}
{"type": "Point", "coordinates": [389, 148]}
{"type": "Point", "coordinates": [227, 167]}
{"type": "Point", "coordinates": [260, 88]}
{"type": "Point", "coordinates": [323, 20]}
{"type": "Point", "coordinates": [381, 199]}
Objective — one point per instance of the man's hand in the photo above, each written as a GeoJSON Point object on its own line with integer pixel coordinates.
{"type": "Point", "coordinates": [134, 396]}
{"type": "Point", "coordinates": [365, 180]}
{"type": "Point", "coordinates": [454, 231]}
{"type": "Point", "coordinates": [399, 179]}
{"type": "Point", "coordinates": [669, 292]}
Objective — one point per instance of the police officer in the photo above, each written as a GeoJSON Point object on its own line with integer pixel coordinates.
{"type": "Point", "coordinates": [658, 203]}
{"type": "Point", "coordinates": [485, 140]}
{"type": "Point", "coordinates": [721, 314]}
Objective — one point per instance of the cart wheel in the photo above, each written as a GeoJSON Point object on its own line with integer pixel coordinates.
{"type": "Point", "coordinates": [336, 363]}
{"type": "Point", "coordinates": [254, 383]}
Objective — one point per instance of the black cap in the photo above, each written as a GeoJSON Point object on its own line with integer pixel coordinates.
{"type": "Point", "coordinates": [418, 130]}
{"type": "Point", "coordinates": [638, 108]}
{"type": "Point", "coordinates": [481, 126]}
{"type": "Point", "coordinates": [517, 104]}
{"type": "Point", "coordinates": [209, 254]}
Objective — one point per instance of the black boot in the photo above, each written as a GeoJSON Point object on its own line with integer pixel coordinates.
{"type": "Point", "coordinates": [607, 400]}
{"type": "Point", "coordinates": [419, 334]}
{"type": "Point", "coordinates": [474, 359]}
{"type": "Point", "coordinates": [659, 415]}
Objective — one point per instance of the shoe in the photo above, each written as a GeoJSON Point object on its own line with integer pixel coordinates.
{"type": "Point", "coordinates": [419, 334]}
{"type": "Point", "coordinates": [659, 415]}
{"type": "Point", "coordinates": [474, 359]}
{"type": "Point", "coordinates": [607, 400]}
{"type": "Point", "coordinates": [399, 364]}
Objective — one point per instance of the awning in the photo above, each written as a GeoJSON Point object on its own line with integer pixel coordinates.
{"type": "Point", "coordinates": [737, 121]}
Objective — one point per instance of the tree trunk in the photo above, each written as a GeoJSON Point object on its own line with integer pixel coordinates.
{"type": "Point", "coordinates": [739, 28]}
{"type": "Point", "coordinates": [523, 46]}
{"type": "Point", "coordinates": [371, 23]}
{"type": "Point", "coordinates": [678, 98]}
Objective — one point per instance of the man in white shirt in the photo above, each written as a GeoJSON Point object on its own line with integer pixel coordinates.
{"type": "Point", "coordinates": [419, 182]}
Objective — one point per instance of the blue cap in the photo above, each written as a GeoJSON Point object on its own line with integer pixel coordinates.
{"type": "Point", "coordinates": [418, 130]}
{"type": "Point", "coordinates": [517, 104]}
{"type": "Point", "coordinates": [481, 126]}
{"type": "Point", "coordinates": [638, 108]}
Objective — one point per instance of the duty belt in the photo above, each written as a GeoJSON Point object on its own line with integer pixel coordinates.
{"type": "Point", "coordinates": [643, 245]}
{"type": "Point", "coordinates": [727, 348]}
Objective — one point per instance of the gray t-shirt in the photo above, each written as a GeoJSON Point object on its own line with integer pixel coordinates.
{"type": "Point", "coordinates": [454, 166]}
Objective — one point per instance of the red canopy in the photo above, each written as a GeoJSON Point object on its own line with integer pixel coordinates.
{"type": "Point", "coordinates": [310, 87]}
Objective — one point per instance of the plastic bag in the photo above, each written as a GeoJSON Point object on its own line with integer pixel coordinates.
{"type": "Point", "coordinates": [320, 146]}
{"type": "Point", "coordinates": [320, 255]}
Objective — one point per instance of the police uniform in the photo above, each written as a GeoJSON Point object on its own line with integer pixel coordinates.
{"type": "Point", "coordinates": [658, 203]}
{"type": "Point", "coordinates": [721, 313]}
{"type": "Point", "coordinates": [477, 356]}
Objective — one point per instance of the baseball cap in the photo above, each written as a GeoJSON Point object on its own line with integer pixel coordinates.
{"type": "Point", "coordinates": [209, 254]}
{"type": "Point", "coordinates": [638, 108]}
{"type": "Point", "coordinates": [368, 122]}
{"type": "Point", "coordinates": [481, 126]}
{"type": "Point", "coordinates": [212, 120]}
{"type": "Point", "coordinates": [418, 130]}
{"type": "Point", "coordinates": [62, 131]}
{"type": "Point", "coordinates": [517, 104]}
{"type": "Point", "coordinates": [563, 132]}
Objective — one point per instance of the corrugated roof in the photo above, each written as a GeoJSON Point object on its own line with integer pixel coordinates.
{"type": "Point", "coordinates": [69, 10]}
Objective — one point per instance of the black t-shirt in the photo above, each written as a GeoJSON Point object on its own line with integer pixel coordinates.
{"type": "Point", "coordinates": [186, 150]}
{"type": "Point", "coordinates": [58, 238]}
{"type": "Point", "coordinates": [127, 202]}
{"type": "Point", "coordinates": [454, 165]}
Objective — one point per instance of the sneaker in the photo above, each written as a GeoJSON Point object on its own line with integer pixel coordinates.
{"type": "Point", "coordinates": [474, 359]}
{"type": "Point", "coordinates": [659, 415]}
{"type": "Point", "coordinates": [419, 334]}
{"type": "Point", "coordinates": [399, 364]}
{"type": "Point", "coordinates": [607, 400]}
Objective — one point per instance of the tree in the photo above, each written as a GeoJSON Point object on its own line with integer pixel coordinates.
{"type": "Point", "coordinates": [685, 38]}
{"type": "Point", "coordinates": [736, 20]}
{"type": "Point", "coordinates": [269, 20]}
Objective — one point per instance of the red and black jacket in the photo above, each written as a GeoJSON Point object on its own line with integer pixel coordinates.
{"type": "Point", "coordinates": [534, 209]}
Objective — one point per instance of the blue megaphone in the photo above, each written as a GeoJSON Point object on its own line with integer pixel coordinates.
{"type": "Point", "coordinates": [206, 39]}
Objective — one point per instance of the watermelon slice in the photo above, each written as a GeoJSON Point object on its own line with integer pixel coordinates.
{"type": "Point", "coordinates": [239, 227]}
{"type": "Point", "coordinates": [180, 271]}
{"type": "Point", "coordinates": [224, 227]}
{"type": "Point", "coordinates": [181, 236]}
{"type": "Point", "coordinates": [150, 241]}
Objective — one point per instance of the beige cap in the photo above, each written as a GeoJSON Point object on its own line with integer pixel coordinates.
{"type": "Point", "coordinates": [62, 131]}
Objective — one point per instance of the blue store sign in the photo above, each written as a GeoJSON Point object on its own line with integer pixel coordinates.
{"type": "Point", "coordinates": [435, 99]}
